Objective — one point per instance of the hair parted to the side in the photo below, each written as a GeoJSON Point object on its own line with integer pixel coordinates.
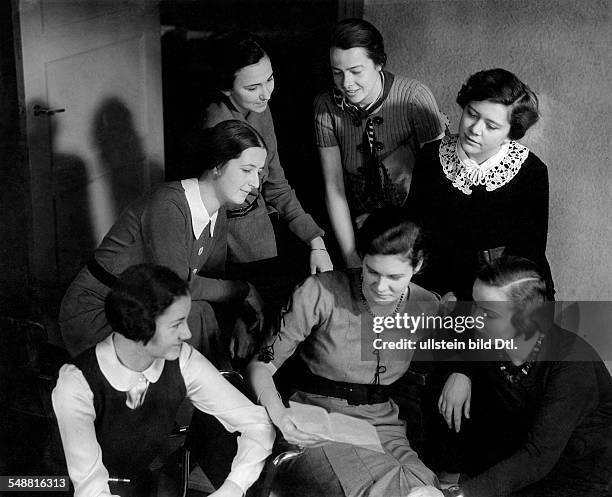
{"type": "Point", "coordinates": [389, 231]}
{"type": "Point", "coordinates": [141, 294]}
{"type": "Point", "coordinates": [231, 51]}
{"type": "Point", "coordinates": [522, 281]}
{"type": "Point", "coordinates": [502, 86]}
{"type": "Point", "coordinates": [352, 33]}
{"type": "Point", "coordinates": [210, 148]}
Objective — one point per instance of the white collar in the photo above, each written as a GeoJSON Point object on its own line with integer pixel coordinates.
{"type": "Point", "coordinates": [199, 215]}
{"type": "Point", "coordinates": [486, 165]}
{"type": "Point", "coordinates": [120, 377]}
{"type": "Point", "coordinates": [494, 173]}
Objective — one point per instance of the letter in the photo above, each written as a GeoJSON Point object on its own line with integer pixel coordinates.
{"type": "Point", "coordinates": [376, 343]}
{"type": "Point", "coordinates": [459, 320]}
{"type": "Point", "coordinates": [389, 322]}
{"type": "Point", "coordinates": [378, 328]}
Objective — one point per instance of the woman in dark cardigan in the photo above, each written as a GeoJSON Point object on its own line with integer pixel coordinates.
{"type": "Point", "coordinates": [181, 225]}
{"type": "Point", "coordinates": [540, 413]}
{"type": "Point", "coordinates": [480, 193]}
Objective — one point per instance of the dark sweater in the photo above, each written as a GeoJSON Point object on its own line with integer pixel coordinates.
{"type": "Point", "coordinates": [514, 216]}
{"type": "Point", "coordinates": [551, 430]}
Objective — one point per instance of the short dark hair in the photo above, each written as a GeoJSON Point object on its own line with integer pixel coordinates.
{"type": "Point", "coordinates": [352, 33]}
{"type": "Point", "coordinates": [388, 231]}
{"type": "Point", "coordinates": [501, 86]}
{"type": "Point", "coordinates": [209, 148]}
{"type": "Point", "coordinates": [231, 51]}
{"type": "Point", "coordinates": [524, 284]}
{"type": "Point", "coordinates": [141, 294]}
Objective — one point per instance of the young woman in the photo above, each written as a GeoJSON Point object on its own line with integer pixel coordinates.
{"type": "Point", "coordinates": [245, 82]}
{"type": "Point", "coordinates": [116, 404]}
{"type": "Point", "coordinates": [183, 226]}
{"type": "Point", "coordinates": [330, 316]}
{"type": "Point", "coordinates": [540, 414]}
{"type": "Point", "coordinates": [368, 130]}
{"type": "Point", "coordinates": [480, 193]}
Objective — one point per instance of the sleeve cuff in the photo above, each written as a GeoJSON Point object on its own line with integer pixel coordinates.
{"type": "Point", "coordinates": [305, 228]}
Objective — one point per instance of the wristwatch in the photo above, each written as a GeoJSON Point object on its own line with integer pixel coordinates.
{"type": "Point", "coordinates": [453, 491]}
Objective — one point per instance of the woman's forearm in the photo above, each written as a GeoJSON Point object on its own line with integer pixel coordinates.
{"type": "Point", "coordinates": [340, 217]}
{"type": "Point", "coordinates": [260, 379]}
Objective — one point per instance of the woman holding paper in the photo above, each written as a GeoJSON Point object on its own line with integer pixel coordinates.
{"type": "Point", "coordinates": [331, 315]}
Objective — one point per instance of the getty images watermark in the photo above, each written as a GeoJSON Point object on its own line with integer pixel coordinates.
{"type": "Point", "coordinates": [409, 323]}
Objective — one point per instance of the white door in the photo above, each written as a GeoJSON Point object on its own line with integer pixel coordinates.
{"type": "Point", "coordinates": [92, 102]}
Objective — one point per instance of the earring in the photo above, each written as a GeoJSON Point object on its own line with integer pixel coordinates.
{"type": "Point", "coordinates": [215, 173]}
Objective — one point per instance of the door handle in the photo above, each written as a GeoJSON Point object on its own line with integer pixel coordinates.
{"type": "Point", "coordinates": [41, 111]}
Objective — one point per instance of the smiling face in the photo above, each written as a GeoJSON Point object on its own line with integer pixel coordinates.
{"type": "Point", "coordinates": [239, 176]}
{"type": "Point", "coordinates": [355, 75]}
{"type": "Point", "coordinates": [496, 310]}
{"type": "Point", "coordinates": [385, 278]}
{"type": "Point", "coordinates": [483, 129]}
{"type": "Point", "coordinates": [171, 330]}
{"type": "Point", "coordinates": [253, 86]}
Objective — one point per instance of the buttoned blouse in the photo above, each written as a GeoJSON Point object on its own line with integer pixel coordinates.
{"type": "Point", "coordinates": [73, 404]}
{"type": "Point", "coordinates": [329, 318]}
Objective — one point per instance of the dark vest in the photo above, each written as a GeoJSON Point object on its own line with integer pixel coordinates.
{"type": "Point", "coordinates": [131, 438]}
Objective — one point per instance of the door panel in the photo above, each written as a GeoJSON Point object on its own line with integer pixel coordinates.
{"type": "Point", "coordinates": [101, 63]}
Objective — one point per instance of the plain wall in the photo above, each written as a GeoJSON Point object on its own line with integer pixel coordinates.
{"type": "Point", "coordinates": [563, 51]}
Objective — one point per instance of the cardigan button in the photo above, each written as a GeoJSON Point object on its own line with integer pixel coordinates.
{"type": "Point", "coordinates": [201, 250]}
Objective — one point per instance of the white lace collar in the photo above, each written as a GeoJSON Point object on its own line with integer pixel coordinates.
{"type": "Point", "coordinates": [494, 173]}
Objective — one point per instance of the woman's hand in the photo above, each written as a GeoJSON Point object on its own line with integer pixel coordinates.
{"type": "Point", "coordinates": [427, 491]}
{"type": "Point", "coordinates": [281, 417]}
{"type": "Point", "coordinates": [228, 489]}
{"type": "Point", "coordinates": [242, 342]}
{"type": "Point", "coordinates": [320, 261]}
{"type": "Point", "coordinates": [455, 399]}
{"type": "Point", "coordinates": [319, 258]}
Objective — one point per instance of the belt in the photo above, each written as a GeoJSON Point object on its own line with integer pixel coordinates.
{"type": "Point", "coordinates": [101, 274]}
{"type": "Point", "coordinates": [354, 393]}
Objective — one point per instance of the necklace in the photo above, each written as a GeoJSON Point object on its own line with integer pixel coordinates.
{"type": "Point", "coordinates": [405, 294]}
{"type": "Point", "coordinates": [513, 373]}
{"type": "Point", "coordinates": [381, 369]}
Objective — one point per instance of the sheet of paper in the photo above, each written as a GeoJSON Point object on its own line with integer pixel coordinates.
{"type": "Point", "coordinates": [335, 426]}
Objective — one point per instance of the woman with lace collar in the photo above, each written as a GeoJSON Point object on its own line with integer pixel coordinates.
{"type": "Point", "coordinates": [480, 192]}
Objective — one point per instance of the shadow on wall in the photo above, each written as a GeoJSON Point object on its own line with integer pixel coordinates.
{"type": "Point", "coordinates": [86, 195]}
{"type": "Point", "coordinates": [120, 152]}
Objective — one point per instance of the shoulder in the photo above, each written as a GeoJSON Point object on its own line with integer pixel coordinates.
{"type": "Point", "coordinates": [327, 284]}
{"type": "Point", "coordinates": [420, 294]}
{"type": "Point", "coordinates": [322, 101]}
{"type": "Point", "coordinates": [409, 90]}
{"type": "Point", "coordinates": [569, 346]}
{"type": "Point", "coordinates": [535, 165]}
{"type": "Point", "coordinates": [71, 384]}
{"type": "Point", "coordinates": [217, 112]}
{"type": "Point", "coordinates": [168, 192]}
